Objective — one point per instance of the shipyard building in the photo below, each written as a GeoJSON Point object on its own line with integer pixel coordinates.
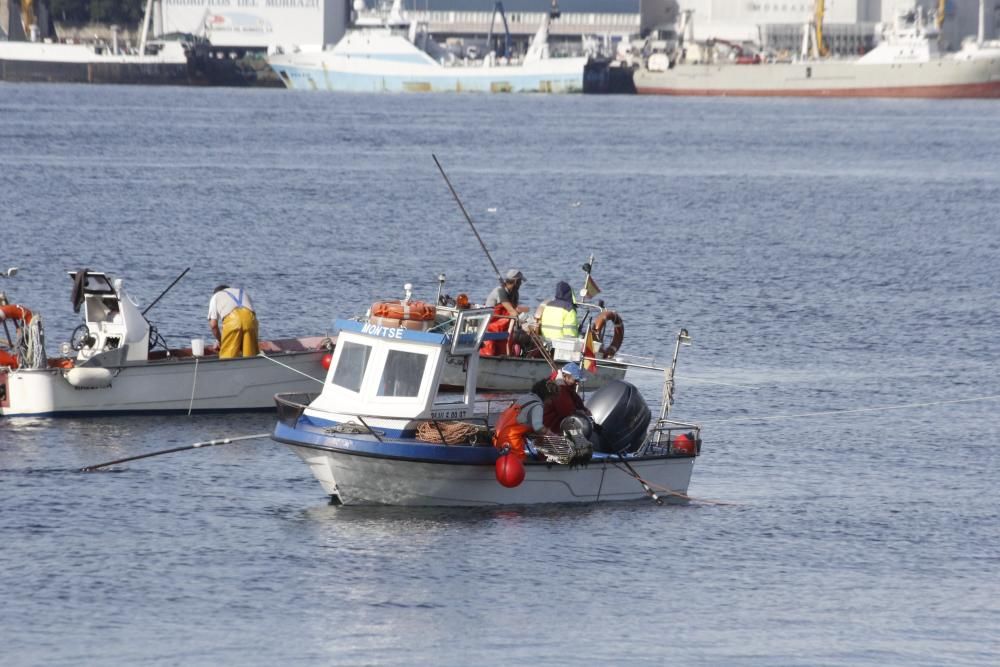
{"type": "Point", "coordinates": [256, 25]}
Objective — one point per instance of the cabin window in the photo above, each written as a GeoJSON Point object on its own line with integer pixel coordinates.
{"type": "Point", "coordinates": [403, 373]}
{"type": "Point", "coordinates": [351, 366]}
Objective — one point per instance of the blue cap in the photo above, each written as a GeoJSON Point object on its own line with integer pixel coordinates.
{"type": "Point", "coordinates": [573, 370]}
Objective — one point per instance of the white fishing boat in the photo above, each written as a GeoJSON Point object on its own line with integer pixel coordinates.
{"type": "Point", "coordinates": [382, 433]}
{"type": "Point", "coordinates": [385, 52]}
{"type": "Point", "coordinates": [116, 362]}
{"type": "Point", "coordinates": [596, 346]}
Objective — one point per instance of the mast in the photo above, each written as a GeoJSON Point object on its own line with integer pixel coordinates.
{"type": "Point", "coordinates": [147, 15]}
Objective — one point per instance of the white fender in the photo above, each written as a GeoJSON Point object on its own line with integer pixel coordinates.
{"type": "Point", "coordinates": [88, 378]}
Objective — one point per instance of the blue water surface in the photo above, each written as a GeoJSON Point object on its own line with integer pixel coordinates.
{"type": "Point", "coordinates": [830, 258]}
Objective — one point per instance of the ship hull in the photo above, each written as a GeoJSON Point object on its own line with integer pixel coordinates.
{"type": "Point", "coordinates": [944, 79]}
{"type": "Point", "coordinates": [77, 63]}
{"type": "Point", "coordinates": [337, 74]}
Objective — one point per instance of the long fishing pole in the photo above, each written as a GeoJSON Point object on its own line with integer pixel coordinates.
{"type": "Point", "coordinates": [534, 338]}
{"type": "Point", "coordinates": [468, 217]}
{"type": "Point", "coordinates": [197, 445]}
{"type": "Point", "coordinates": [169, 287]}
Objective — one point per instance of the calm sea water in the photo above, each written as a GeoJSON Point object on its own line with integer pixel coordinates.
{"type": "Point", "coordinates": [836, 263]}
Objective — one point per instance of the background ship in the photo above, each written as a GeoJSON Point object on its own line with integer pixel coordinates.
{"type": "Point", "coordinates": [388, 53]}
{"type": "Point", "coordinates": [31, 52]}
{"type": "Point", "coordinates": [906, 62]}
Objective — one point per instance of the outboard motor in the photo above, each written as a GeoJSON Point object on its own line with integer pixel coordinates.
{"type": "Point", "coordinates": [621, 417]}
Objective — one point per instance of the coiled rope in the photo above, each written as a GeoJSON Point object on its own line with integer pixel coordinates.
{"type": "Point", "coordinates": [448, 433]}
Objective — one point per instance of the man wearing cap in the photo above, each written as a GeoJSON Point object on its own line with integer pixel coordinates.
{"type": "Point", "coordinates": [504, 301]}
{"type": "Point", "coordinates": [232, 307]}
{"type": "Point", "coordinates": [567, 400]}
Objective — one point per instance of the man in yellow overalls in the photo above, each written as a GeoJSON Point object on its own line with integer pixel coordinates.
{"type": "Point", "coordinates": [232, 307]}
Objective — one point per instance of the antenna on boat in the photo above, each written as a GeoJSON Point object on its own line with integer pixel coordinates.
{"type": "Point", "coordinates": [169, 287]}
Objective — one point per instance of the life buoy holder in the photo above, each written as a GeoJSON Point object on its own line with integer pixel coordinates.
{"type": "Point", "coordinates": [21, 317]}
{"type": "Point", "coordinates": [608, 351]}
{"type": "Point", "coordinates": [419, 311]}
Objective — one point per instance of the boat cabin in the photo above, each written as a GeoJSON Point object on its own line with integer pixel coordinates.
{"type": "Point", "coordinates": [388, 377]}
{"type": "Point", "coordinates": [114, 330]}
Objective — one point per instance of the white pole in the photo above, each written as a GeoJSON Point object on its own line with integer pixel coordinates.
{"type": "Point", "coordinates": [982, 21]}
{"type": "Point", "coordinates": [145, 27]}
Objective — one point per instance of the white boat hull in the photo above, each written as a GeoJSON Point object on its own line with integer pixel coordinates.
{"type": "Point", "coordinates": [516, 374]}
{"type": "Point", "coordinates": [334, 73]}
{"type": "Point", "coordinates": [364, 480]}
{"type": "Point", "coordinates": [175, 385]}
{"type": "Point", "coordinates": [942, 78]}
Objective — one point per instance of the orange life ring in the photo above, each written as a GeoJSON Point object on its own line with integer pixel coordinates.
{"type": "Point", "coordinates": [21, 316]}
{"type": "Point", "coordinates": [420, 311]}
{"type": "Point", "coordinates": [15, 312]}
{"type": "Point", "coordinates": [609, 351]}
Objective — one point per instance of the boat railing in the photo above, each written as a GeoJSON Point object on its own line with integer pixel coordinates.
{"type": "Point", "coordinates": [672, 438]}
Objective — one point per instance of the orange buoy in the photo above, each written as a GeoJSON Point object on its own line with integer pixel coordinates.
{"type": "Point", "coordinates": [326, 360]}
{"type": "Point", "coordinates": [684, 445]}
{"type": "Point", "coordinates": [509, 471]}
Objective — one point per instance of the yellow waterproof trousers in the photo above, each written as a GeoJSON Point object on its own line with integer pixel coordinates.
{"type": "Point", "coordinates": [239, 334]}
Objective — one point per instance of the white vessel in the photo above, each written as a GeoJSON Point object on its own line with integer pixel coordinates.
{"type": "Point", "coordinates": [388, 53]}
{"type": "Point", "coordinates": [117, 370]}
{"type": "Point", "coordinates": [381, 433]}
{"type": "Point", "coordinates": [907, 62]}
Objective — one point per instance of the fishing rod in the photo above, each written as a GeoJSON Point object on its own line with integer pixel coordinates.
{"type": "Point", "coordinates": [169, 287]}
{"type": "Point", "coordinates": [534, 337]}
{"type": "Point", "coordinates": [197, 445]}
{"type": "Point", "coordinates": [467, 217]}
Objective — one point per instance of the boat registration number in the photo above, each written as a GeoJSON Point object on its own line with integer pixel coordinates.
{"type": "Point", "coordinates": [448, 414]}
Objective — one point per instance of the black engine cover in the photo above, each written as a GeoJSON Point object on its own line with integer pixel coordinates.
{"type": "Point", "coordinates": [621, 417]}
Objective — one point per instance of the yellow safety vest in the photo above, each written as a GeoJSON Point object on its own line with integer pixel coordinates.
{"type": "Point", "coordinates": [559, 322]}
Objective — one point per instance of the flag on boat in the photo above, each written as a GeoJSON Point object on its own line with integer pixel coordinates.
{"type": "Point", "coordinates": [590, 288]}
{"type": "Point", "coordinates": [589, 362]}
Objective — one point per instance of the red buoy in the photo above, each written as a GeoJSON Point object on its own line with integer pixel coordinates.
{"type": "Point", "coordinates": [684, 445]}
{"type": "Point", "coordinates": [327, 358]}
{"type": "Point", "coordinates": [510, 470]}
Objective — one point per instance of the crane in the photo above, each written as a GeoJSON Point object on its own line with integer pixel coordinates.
{"type": "Point", "coordinates": [821, 49]}
{"type": "Point", "coordinates": [27, 16]}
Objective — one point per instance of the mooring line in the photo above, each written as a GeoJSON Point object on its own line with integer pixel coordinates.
{"type": "Point", "coordinates": [294, 370]}
{"type": "Point", "coordinates": [883, 408]}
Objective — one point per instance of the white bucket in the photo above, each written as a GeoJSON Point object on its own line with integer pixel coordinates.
{"type": "Point", "coordinates": [197, 347]}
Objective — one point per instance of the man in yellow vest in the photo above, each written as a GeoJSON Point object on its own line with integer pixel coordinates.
{"type": "Point", "coordinates": [557, 317]}
{"type": "Point", "coordinates": [232, 307]}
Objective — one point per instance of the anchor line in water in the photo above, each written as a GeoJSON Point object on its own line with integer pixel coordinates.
{"type": "Point", "coordinates": [883, 408]}
{"type": "Point", "coordinates": [197, 445]}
